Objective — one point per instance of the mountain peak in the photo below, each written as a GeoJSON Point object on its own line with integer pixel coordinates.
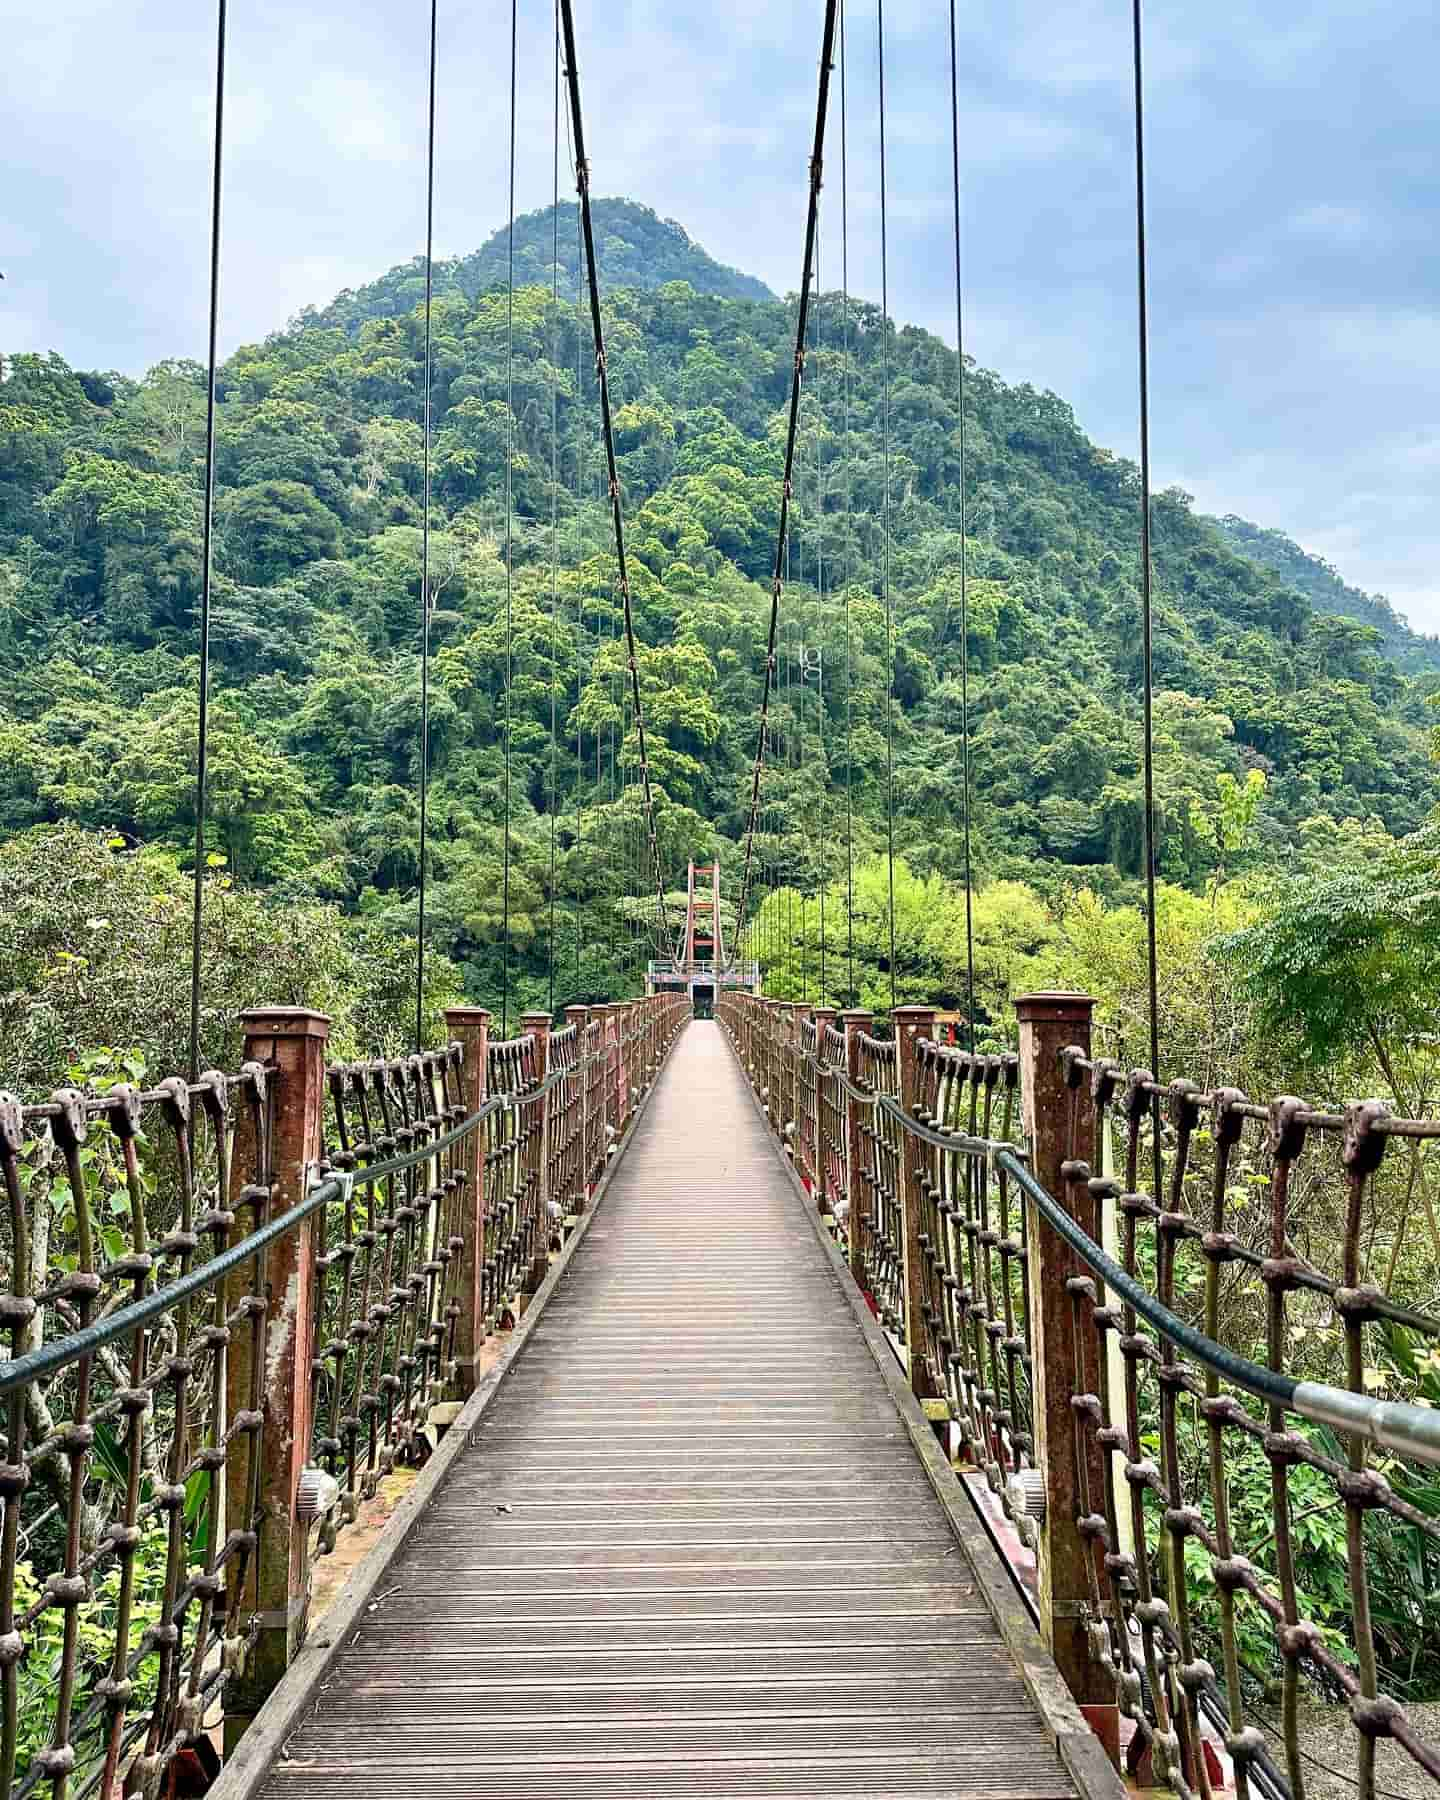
{"type": "Point", "coordinates": [635, 246]}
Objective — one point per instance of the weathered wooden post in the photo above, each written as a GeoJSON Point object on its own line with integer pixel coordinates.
{"type": "Point", "coordinates": [1049, 1023]}
{"type": "Point", "coordinates": [290, 1042]}
{"type": "Point", "coordinates": [911, 1024]}
{"type": "Point", "coordinates": [538, 1024]}
{"type": "Point", "coordinates": [856, 1022]}
{"type": "Point", "coordinates": [469, 1026]}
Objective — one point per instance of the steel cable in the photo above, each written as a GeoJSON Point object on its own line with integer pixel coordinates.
{"type": "Point", "coordinates": [885, 502]}
{"type": "Point", "coordinates": [824, 766]}
{"type": "Point", "coordinates": [582, 183]}
{"type": "Point", "coordinates": [1142, 344]}
{"type": "Point", "coordinates": [554, 495]}
{"type": "Point", "coordinates": [509, 530]}
{"type": "Point", "coordinates": [851, 993]}
{"type": "Point", "coordinates": [207, 547]}
{"type": "Point", "coordinates": [786, 491]}
{"type": "Point", "coordinates": [964, 546]}
{"type": "Point", "coordinates": [425, 547]}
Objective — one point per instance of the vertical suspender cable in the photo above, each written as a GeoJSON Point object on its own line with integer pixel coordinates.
{"type": "Point", "coordinates": [582, 182]}
{"type": "Point", "coordinates": [202, 748]}
{"type": "Point", "coordinates": [824, 768]}
{"type": "Point", "coordinates": [425, 548]}
{"type": "Point", "coordinates": [964, 547]}
{"type": "Point", "coordinates": [580, 585]}
{"type": "Point", "coordinates": [782, 539]}
{"type": "Point", "coordinates": [787, 713]}
{"type": "Point", "coordinates": [509, 531]}
{"type": "Point", "coordinates": [885, 504]}
{"type": "Point", "coordinates": [853, 997]}
{"type": "Point", "coordinates": [554, 495]}
{"type": "Point", "coordinates": [1142, 341]}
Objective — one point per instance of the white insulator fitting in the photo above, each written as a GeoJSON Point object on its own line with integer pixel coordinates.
{"type": "Point", "coordinates": [1025, 1492]}
{"type": "Point", "coordinates": [789, 1128]}
{"type": "Point", "coordinates": [316, 1495]}
{"type": "Point", "coordinates": [765, 1093]}
{"type": "Point", "coordinates": [609, 1131]}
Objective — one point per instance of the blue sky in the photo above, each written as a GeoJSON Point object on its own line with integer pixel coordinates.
{"type": "Point", "coordinates": [1293, 165]}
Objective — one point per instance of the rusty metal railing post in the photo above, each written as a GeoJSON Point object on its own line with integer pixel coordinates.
{"type": "Point", "coordinates": [537, 1025]}
{"type": "Point", "coordinates": [579, 1017]}
{"type": "Point", "coordinates": [855, 1023]}
{"type": "Point", "coordinates": [469, 1026]}
{"type": "Point", "coordinates": [824, 1017]}
{"type": "Point", "coordinates": [290, 1041]}
{"type": "Point", "coordinates": [911, 1024]}
{"type": "Point", "coordinates": [1059, 1127]}
{"type": "Point", "coordinates": [603, 1127]}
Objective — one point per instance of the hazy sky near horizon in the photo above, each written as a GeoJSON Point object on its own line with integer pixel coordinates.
{"type": "Point", "coordinates": [1293, 155]}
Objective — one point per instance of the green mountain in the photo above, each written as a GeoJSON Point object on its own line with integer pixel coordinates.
{"type": "Point", "coordinates": [635, 248]}
{"type": "Point", "coordinates": [1328, 591]}
{"type": "Point", "coordinates": [316, 615]}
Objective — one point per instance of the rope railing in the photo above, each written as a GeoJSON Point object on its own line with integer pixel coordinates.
{"type": "Point", "coordinates": [234, 1306]}
{"type": "Point", "coordinates": [1073, 1342]}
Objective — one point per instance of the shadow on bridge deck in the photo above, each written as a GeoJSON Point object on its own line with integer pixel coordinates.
{"type": "Point", "coordinates": [690, 1548]}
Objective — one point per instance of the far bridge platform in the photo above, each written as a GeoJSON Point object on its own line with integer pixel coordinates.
{"type": "Point", "coordinates": [692, 1546]}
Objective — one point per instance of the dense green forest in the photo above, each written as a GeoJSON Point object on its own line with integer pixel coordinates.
{"type": "Point", "coordinates": [1328, 591]}
{"type": "Point", "coordinates": [1269, 701]}
{"type": "Point", "coordinates": [635, 248]}
{"type": "Point", "coordinates": [1299, 916]}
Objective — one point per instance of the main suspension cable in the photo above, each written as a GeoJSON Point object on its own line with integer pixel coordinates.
{"type": "Point", "coordinates": [509, 531]}
{"type": "Point", "coordinates": [202, 747]}
{"type": "Point", "coordinates": [582, 184]}
{"type": "Point", "coordinates": [817, 155]}
{"type": "Point", "coordinates": [964, 547]}
{"type": "Point", "coordinates": [885, 502]}
{"type": "Point", "coordinates": [425, 547]}
{"type": "Point", "coordinates": [1142, 343]}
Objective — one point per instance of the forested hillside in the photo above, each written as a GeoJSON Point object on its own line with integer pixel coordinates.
{"type": "Point", "coordinates": [634, 246]}
{"type": "Point", "coordinates": [317, 615]}
{"type": "Point", "coordinates": [1298, 920]}
{"type": "Point", "coordinates": [1328, 591]}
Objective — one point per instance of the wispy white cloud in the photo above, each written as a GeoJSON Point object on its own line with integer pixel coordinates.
{"type": "Point", "coordinates": [1295, 291]}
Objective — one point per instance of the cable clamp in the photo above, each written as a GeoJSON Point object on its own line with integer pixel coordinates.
{"type": "Point", "coordinates": [344, 1179]}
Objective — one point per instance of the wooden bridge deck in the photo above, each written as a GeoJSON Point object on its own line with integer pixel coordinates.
{"type": "Point", "coordinates": [691, 1550]}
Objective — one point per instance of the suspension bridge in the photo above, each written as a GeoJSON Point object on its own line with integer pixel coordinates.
{"type": "Point", "coordinates": [782, 1422]}
{"type": "Point", "coordinates": [736, 1397]}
